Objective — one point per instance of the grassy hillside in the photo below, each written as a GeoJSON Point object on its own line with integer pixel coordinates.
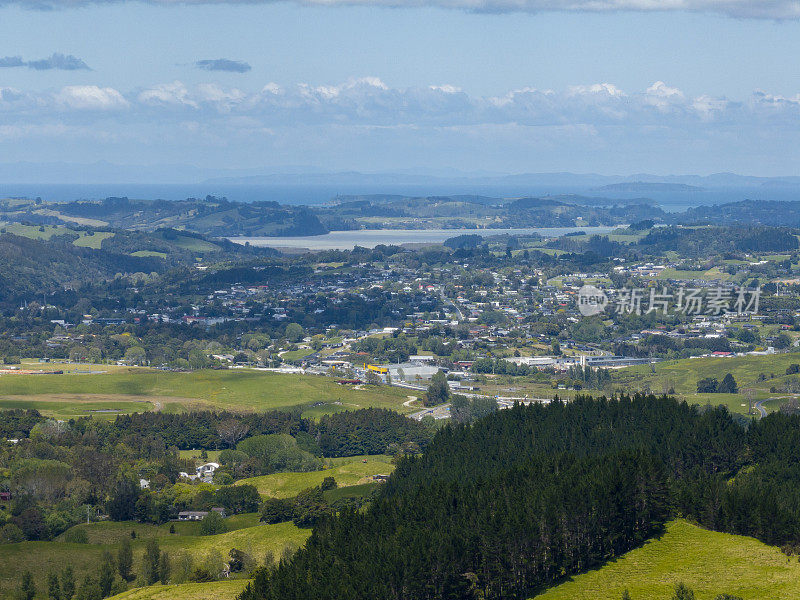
{"type": "Point", "coordinates": [682, 375]}
{"type": "Point", "coordinates": [352, 471]}
{"type": "Point", "coordinates": [137, 390]}
{"type": "Point", "coordinates": [219, 590]}
{"type": "Point", "coordinates": [711, 563]}
{"type": "Point", "coordinates": [42, 557]}
{"type": "Point", "coordinates": [95, 240]}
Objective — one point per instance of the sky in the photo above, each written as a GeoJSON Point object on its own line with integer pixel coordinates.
{"type": "Point", "coordinates": [510, 86]}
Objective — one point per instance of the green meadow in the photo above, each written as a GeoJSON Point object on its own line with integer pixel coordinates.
{"type": "Point", "coordinates": [711, 563]}
{"type": "Point", "coordinates": [136, 390]}
{"type": "Point", "coordinates": [683, 375]}
{"type": "Point", "coordinates": [217, 590]}
{"type": "Point", "coordinates": [352, 471]}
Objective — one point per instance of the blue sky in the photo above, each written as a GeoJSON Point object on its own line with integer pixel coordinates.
{"type": "Point", "coordinates": [712, 88]}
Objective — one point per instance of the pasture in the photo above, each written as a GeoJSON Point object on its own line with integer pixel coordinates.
{"type": "Point", "coordinates": [125, 390]}
{"type": "Point", "coordinates": [352, 471]}
{"type": "Point", "coordinates": [756, 373]}
{"type": "Point", "coordinates": [709, 562]}
{"type": "Point", "coordinates": [217, 590]}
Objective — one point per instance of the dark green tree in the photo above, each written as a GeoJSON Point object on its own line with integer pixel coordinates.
{"type": "Point", "coordinates": [53, 587]}
{"type": "Point", "coordinates": [164, 568]}
{"type": "Point", "coordinates": [27, 589]}
{"type": "Point", "coordinates": [67, 583]}
{"type": "Point", "coordinates": [728, 385]}
{"type": "Point", "coordinates": [89, 590]}
{"type": "Point", "coordinates": [150, 562]}
{"type": "Point", "coordinates": [125, 560]}
{"type": "Point", "coordinates": [105, 577]}
{"type": "Point", "coordinates": [212, 524]}
{"type": "Point", "coordinates": [709, 385]}
{"type": "Point", "coordinates": [438, 390]}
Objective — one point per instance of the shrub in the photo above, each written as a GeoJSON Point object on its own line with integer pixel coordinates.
{"type": "Point", "coordinates": [76, 535]}
{"type": "Point", "coordinates": [11, 534]}
{"type": "Point", "coordinates": [212, 524]}
{"type": "Point", "coordinates": [277, 510]}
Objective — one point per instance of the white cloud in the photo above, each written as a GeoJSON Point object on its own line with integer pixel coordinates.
{"type": "Point", "coordinates": [90, 97]}
{"type": "Point", "coordinates": [662, 90]}
{"type": "Point", "coordinates": [601, 89]}
{"type": "Point", "coordinates": [170, 94]}
{"type": "Point", "coordinates": [706, 106]}
{"type": "Point", "coordinates": [447, 89]}
{"type": "Point", "coordinates": [369, 101]}
{"type": "Point", "coordinates": [367, 113]}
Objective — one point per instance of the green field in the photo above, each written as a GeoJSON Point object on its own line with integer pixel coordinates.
{"type": "Point", "coordinates": [713, 273]}
{"type": "Point", "coordinates": [711, 563]}
{"type": "Point", "coordinates": [33, 232]}
{"type": "Point", "coordinates": [213, 455]}
{"type": "Point", "coordinates": [194, 245]}
{"type": "Point", "coordinates": [347, 472]}
{"type": "Point", "coordinates": [136, 390]}
{"type": "Point", "coordinates": [42, 557]}
{"type": "Point", "coordinates": [218, 590]}
{"type": "Point", "coordinates": [93, 241]}
{"type": "Point", "coordinates": [148, 254]}
{"type": "Point", "coordinates": [294, 355]}
{"type": "Point", "coordinates": [682, 375]}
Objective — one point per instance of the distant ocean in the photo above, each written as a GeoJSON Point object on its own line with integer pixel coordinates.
{"type": "Point", "coordinates": [320, 194]}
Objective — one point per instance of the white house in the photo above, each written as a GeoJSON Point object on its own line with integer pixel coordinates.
{"type": "Point", "coordinates": [207, 469]}
{"type": "Point", "coordinates": [199, 515]}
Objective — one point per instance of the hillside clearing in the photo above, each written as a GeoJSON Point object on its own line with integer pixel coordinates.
{"type": "Point", "coordinates": [709, 562]}
{"type": "Point", "coordinates": [352, 472]}
{"type": "Point", "coordinates": [217, 590]}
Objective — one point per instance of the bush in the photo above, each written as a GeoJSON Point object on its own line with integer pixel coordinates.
{"type": "Point", "coordinates": [240, 561]}
{"type": "Point", "coordinates": [223, 478]}
{"type": "Point", "coordinates": [201, 575]}
{"type": "Point", "coordinates": [212, 524]}
{"type": "Point", "coordinates": [310, 508]}
{"type": "Point", "coordinates": [329, 483]}
{"type": "Point", "coordinates": [11, 534]}
{"type": "Point", "coordinates": [682, 592]}
{"type": "Point", "coordinates": [709, 385]}
{"type": "Point", "coordinates": [76, 535]}
{"type": "Point", "coordinates": [277, 510]}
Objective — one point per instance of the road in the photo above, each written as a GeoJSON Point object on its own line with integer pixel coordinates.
{"type": "Point", "coordinates": [761, 410]}
{"type": "Point", "coordinates": [446, 300]}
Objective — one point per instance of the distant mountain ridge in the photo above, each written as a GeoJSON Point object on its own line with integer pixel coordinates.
{"type": "Point", "coordinates": [645, 187]}
{"type": "Point", "coordinates": [29, 172]}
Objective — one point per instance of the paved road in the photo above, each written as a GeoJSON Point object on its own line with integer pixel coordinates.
{"type": "Point", "coordinates": [445, 300]}
{"type": "Point", "coordinates": [761, 410]}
